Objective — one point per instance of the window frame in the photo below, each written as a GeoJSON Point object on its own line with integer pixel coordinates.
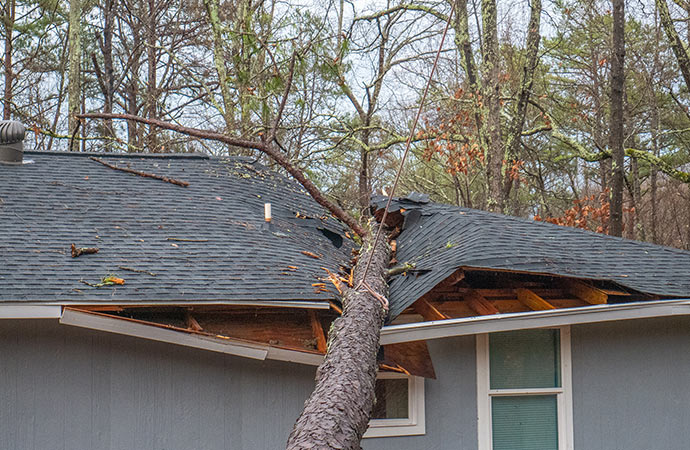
{"type": "Point", "coordinates": [414, 424]}
{"type": "Point", "coordinates": [564, 394]}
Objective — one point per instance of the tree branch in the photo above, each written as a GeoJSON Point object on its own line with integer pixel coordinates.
{"type": "Point", "coordinates": [264, 147]}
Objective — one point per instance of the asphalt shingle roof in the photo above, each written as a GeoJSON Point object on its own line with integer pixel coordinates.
{"type": "Point", "coordinates": [444, 238]}
{"type": "Point", "coordinates": [204, 243]}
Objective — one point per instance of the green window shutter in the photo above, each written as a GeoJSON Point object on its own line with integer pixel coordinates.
{"type": "Point", "coordinates": [524, 423]}
{"type": "Point", "coordinates": [525, 359]}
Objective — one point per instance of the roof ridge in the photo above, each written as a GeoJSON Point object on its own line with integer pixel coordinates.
{"type": "Point", "coordinates": [194, 155]}
{"type": "Point", "coordinates": [561, 228]}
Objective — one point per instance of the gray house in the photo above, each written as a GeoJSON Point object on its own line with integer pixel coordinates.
{"type": "Point", "coordinates": [146, 301]}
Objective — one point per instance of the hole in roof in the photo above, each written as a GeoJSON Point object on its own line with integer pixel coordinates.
{"type": "Point", "coordinates": [334, 237]}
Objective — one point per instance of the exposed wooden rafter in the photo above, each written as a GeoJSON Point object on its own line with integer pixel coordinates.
{"type": "Point", "coordinates": [479, 304]}
{"type": "Point", "coordinates": [454, 279]}
{"type": "Point", "coordinates": [585, 292]}
{"type": "Point", "coordinates": [317, 329]}
{"type": "Point", "coordinates": [428, 311]}
{"type": "Point", "coordinates": [192, 324]}
{"type": "Point", "coordinates": [532, 300]}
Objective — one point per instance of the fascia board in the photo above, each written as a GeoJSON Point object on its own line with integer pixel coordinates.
{"type": "Point", "coordinates": [30, 311]}
{"type": "Point", "coordinates": [395, 334]}
{"type": "Point", "coordinates": [119, 326]}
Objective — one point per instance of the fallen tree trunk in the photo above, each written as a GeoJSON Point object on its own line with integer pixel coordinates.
{"type": "Point", "coordinates": [336, 415]}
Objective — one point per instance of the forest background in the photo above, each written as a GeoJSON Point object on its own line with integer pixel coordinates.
{"type": "Point", "coordinates": [535, 109]}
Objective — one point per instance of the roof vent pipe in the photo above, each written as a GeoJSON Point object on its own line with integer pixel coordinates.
{"type": "Point", "coordinates": [11, 142]}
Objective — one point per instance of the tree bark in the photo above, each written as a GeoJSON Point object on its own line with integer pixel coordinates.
{"type": "Point", "coordinates": [674, 39]}
{"type": "Point", "coordinates": [491, 74]}
{"type": "Point", "coordinates": [9, 28]}
{"type": "Point", "coordinates": [520, 109]}
{"type": "Point", "coordinates": [74, 42]}
{"type": "Point", "coordinates": [336, 415]}
{"type": "Point", "coordinates": [151, 85]}
{"type": "Point", "coordinates": [212, 7]}
{"type": "Point", "coordinates": [616, 124]}
{"type": "Point", "coordinates": [462, 41]}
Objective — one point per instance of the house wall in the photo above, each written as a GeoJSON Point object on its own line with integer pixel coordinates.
{"type": "Point", "coordinates": [63, 387]}
{"type": "Point", "coordinates": [69, 388]}
{"type": "Point", "coordinates": [631, 385]}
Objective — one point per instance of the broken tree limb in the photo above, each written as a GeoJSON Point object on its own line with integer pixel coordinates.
{"type": "Point", "coordinates": [336, 415]}
{"type": "Point", "coordinates": [264, 147]}
{"type": "Point", "coordinates": [397, 270]}
{"type": "Point", "coordinates": [140, 173]}
{"type": "Point", "coordinates": [78, 251]}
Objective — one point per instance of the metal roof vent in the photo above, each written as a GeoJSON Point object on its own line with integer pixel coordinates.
{"type": "Point", "coordinates": [11, 142]}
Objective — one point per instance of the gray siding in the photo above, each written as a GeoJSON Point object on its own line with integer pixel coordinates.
{"type": "Point", "coordinates": [451, 402]}
{"type": "Point", "coordinates": [73, 389]}
{"type": "Point", "coordinates": [631, 385]}
{"type": "Point", "coordinates": [69, 388]}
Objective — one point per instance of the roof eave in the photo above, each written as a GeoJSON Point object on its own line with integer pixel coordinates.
{"type": "Point", "coordinates": [465, 326]}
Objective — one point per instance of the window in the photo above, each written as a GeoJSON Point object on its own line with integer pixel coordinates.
{"type": "Point", "coordinates": [399, 407]}
{"type": "Point", "coordinates": [524, 393]}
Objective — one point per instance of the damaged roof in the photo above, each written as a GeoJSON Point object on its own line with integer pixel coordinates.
{"type": "Point", "coordinates": [203, 243]}
{"type": "Point", "coordinates": [439, 239]}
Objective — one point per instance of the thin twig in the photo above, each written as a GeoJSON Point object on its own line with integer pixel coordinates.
{"type": "Point", "coordinates": [140, 173]}
{"type": "Point", "coordinates": [137, 270]}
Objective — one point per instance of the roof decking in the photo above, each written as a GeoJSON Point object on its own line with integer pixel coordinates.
{"type": "Point", "coordinates": [204, 243]}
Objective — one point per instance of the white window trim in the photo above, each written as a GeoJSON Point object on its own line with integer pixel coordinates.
{"type": "Point", "coordinates": [564, 394]}
{"type": "Point", "coordinates": [414, 424]}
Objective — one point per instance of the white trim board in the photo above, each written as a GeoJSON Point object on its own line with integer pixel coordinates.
{"type": "Point", "coordinates": [395, 334]}
{"type": "Point", "coordinates": [30, 312]}
{"type": "Point", "coordinates": [154, 333]}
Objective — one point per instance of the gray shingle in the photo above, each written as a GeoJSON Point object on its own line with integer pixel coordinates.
{"type": "Point", "coordinates": [204, 242]}
{"type": "Point", "coordinates": [446, 238]}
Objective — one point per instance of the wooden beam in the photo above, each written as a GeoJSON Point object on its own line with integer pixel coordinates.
{"type": "Point", "coordinates": [428, 311]}
{"type": "Point", "coordinates": [412, 357]}
{"type": "Point", "coordinates": [317, 329]}
{"type": "Point", "coordinates": [479, 304]}
{"type": "Point", "coordinates": [455, 278]}
{"type": "Point", "coordinates": [192, 324]}
{"type": "Point", "coordinates": [585, 292]}
{"type": "Point", "coordinates": [532, 300]}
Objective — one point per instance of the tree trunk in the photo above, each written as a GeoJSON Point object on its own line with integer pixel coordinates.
{"type": "Point", "coordinates": [151, 89]}
{"type": "Point", "coordinates": [9, 28]}
{"type": "Point", "coordinates": [491, 73]}
{"type": "Point", "coordinates": [109, 79]}
{"type": "Point", "coordinates": [462, 41]}
{"type": "Point", "coordinates": [616, 125]}
{"type": "Point", "coordinates": [212, 7]}
{"type": "Point", "coordinates": [520, 109]}
{"type": "Point", "coordinates": [336, 415]}
{"type": "Point", "coordinates": [74, 87]}
{"type": "Point", "coordinates": [673, 38]}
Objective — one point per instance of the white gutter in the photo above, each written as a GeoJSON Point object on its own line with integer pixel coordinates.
{"type": "Point", "coordinates": [437, 329]}
{"type": "Point", "coordinates": [30, 312]}
{"type": "Point", "coordinates": [221, 345]}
